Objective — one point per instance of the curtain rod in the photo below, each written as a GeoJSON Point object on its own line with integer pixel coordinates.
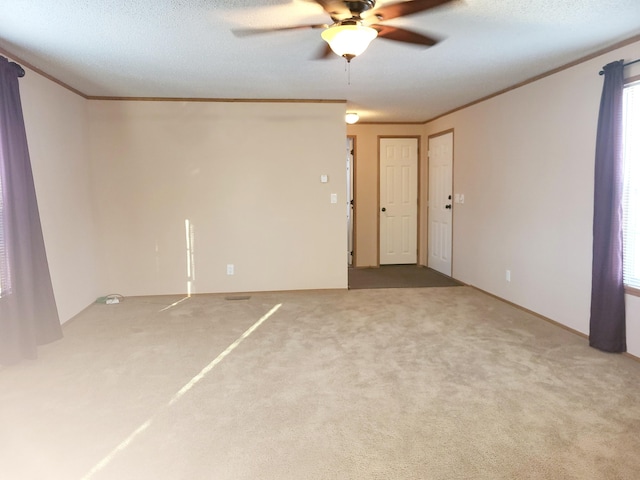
{"type": "Point", "coordinates": [625, 65]}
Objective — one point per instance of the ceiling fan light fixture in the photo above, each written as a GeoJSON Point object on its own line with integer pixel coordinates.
{"type": "Point", "coordinates": [349, 40]}
{"type": "Point", "coordinates": [351, 118]}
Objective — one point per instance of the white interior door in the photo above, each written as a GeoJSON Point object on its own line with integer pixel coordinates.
{"type": "Point", "coordinates": [398, 200]}
{"type": "Point", "coordinates": [440, 202]}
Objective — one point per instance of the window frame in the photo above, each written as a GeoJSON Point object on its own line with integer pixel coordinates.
{"type": "Point", "coordinates": [635, 82]}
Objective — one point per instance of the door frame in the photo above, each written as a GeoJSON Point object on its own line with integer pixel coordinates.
{"type": "Point", "coordinates": [418, 185]}
{"type": "Point", "coordinates": [453, 181]}
{"type": "Point", "coordinates": [354, 205]}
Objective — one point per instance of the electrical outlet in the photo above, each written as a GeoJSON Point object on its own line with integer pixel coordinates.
{"type": "Point", "coordinates": [230, 269]}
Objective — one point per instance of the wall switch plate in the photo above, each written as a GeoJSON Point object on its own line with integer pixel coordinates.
{"type": "Point", "coordinates": [462, 198]}
{"type": "Point", "coordinates": [507, 275]}
{"type": "Point", "coordinates": [230, 269]}
{"type": "Point", "coordinates": [334, 198]}
{"type": "Point", "coordinates": [324, 178]}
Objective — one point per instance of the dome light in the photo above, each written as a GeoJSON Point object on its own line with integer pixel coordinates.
{"type": "Point", "coordinates": [351, 118]}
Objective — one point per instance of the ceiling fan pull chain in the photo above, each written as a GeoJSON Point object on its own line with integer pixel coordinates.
{"type": "Point", "coordinates": [347, 68]}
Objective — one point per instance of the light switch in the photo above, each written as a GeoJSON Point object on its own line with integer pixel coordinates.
{"type": "Point", "coordinates": [456, 198]}
{"type": "Point", "coordinates": [462, 198]}
{"type": "Point", "coordinates": [334, 198]}
{"type": "Point", "coordinates": [324, 178]}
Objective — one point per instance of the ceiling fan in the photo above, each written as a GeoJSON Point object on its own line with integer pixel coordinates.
{"type": "Point", "coordinates": [355, 25]}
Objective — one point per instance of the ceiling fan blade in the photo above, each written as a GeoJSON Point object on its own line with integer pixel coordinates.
{"type": "Point", "coordinates": [245, 32]}
{"type": "Point", "coordinates": [402, 35]}
{"type": "Point", "coordinates": [336, 9]}
{"type": "Point", "coordinates": [387, 12]}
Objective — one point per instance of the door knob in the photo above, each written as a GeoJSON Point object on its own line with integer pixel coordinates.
{"type": "Point", "coordinates": [447, 206]}
{"type": "Point", "coordinates": [384, 209]}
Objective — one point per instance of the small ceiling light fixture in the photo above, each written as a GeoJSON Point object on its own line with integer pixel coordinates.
{"type": "Point", "coordinates": [351, 118]}
{"type": "Point", "coordinates": [349, 39]}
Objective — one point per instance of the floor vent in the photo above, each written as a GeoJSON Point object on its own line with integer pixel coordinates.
{"type": "Point", "coordinates": [238, 297]}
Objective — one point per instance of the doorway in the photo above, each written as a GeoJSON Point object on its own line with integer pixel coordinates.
{"type": "Point", "coordinates": [398, 201]}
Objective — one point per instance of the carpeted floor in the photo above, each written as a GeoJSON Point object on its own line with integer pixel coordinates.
{"type": "Point", "coordinates": [398, 276]}
{"type": "Point", "coordinates": [408, 384]}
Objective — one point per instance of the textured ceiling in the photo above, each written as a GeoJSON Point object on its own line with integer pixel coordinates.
{"type": "Point", "coordinates": [185, 49]}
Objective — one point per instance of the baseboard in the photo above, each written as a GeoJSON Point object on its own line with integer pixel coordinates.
{"type": "Point", "coordinates": [535, 314]}
{"type": "Point", "coordinates": [546, 319]}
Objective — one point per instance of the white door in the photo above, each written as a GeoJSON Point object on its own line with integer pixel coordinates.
{"type": "Point", "coordinates": [398, 200]}
{"type": "Point", "coordinates": [440, 202]}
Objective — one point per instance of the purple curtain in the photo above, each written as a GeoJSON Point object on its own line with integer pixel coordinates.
{"type": "Point", "coordinates": [28, 314]}
{"type": "Point", "coordinates": [607, 325]}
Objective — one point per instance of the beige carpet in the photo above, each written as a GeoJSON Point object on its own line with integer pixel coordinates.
{"type": "Point", "coordinates": [443, 383]}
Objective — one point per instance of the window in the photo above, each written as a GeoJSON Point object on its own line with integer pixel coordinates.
{"type": "Point", "coordinates": [631, 192]}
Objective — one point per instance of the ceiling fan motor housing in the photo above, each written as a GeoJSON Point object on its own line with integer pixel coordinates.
{"type": "Point", "coordinates": [358, 6]}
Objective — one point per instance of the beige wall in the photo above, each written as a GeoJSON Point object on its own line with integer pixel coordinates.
{"type": "Point", "coordinates": [366, 186]}
{"type": "Point", "coordinates": [524, 161]}
{"type": "Point", "coordinates": [247, 178]}
{"type": "Point", "coordinates": [633, 324]}
{"type": "Point", "coordinates": [56, 124]}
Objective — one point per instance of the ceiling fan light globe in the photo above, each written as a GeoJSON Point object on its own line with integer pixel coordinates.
{"type": "Point", "coordinates": [349, 40]}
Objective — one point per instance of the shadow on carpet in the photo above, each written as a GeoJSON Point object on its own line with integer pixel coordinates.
{"type": "Point", "coordinates": [398, 276]}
